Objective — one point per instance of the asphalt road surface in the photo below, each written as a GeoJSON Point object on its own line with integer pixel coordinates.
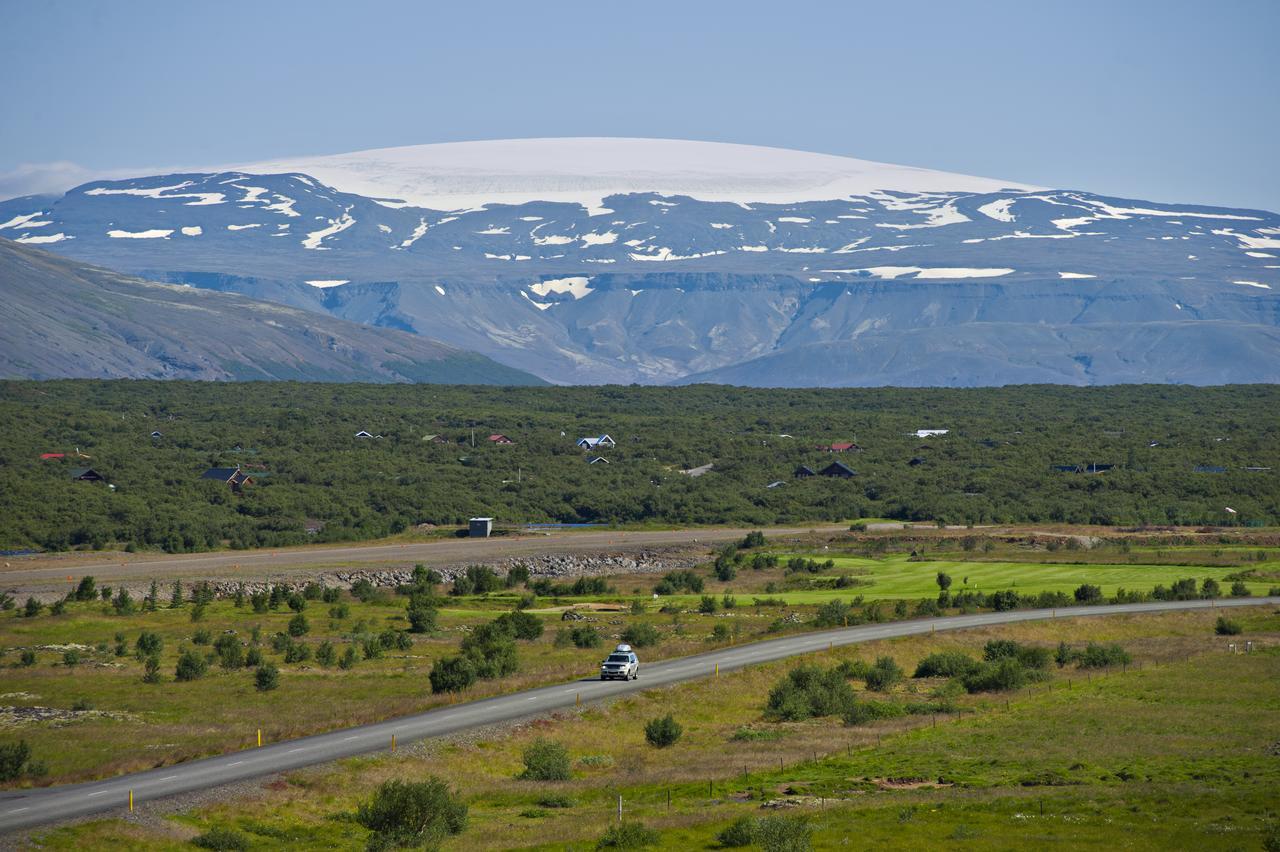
{"type": "Point", "coordinates": [26, 808]}
{"type": "Point", "coordinates": [48, 574]}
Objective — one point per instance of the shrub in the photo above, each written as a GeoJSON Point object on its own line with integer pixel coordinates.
{"type": "Point", "coordinates": [1210, 588]}
{"type": "Point", "coordinates": [32, 608]}
{"type": "Point", "coordinates": [71, 657]}
{"type": "Point", "coordinates": [28, 657]}
{"type": "Point", "coordinates": [58, 607]}
{"type": "Point", "coordinates": [1239, 590]}
{"type": "Point", "coordinates": [1030, 656]}
{"type": "Point", "coordinates": [584, 636]}
{"type": "Point", "coordinates": [708, 604]}
{"type": "Point", "coordinates": [14, 758]}
{"type": "Point", "coordinates": [339, 611]}
{"type": "Point", "coordinates": [784, 834]}
{"type": "Point", "coordinates": [349, 658]}
{"type": "Point", "coordinates": [230, 651]}
{"type": "Point", "coordinates": [641, 635]}
{"type": "Point", "coordinates": [450, 674]}
{"type": "Point", "coordinates": [1226, 627]}
{"type": "Point", "coordinates": [413, 814]}
{"type": "Point", "coordinates": [663, 732]}
{"type": "Point", "coordinates": [85, 591]}
{"type": "Point", "coordinates": [325, 654]}
{"type": "Point", "coordinates": [944, 581]}
{"type": "Point", "coordinates": [1096, 656]}
{"type": "Point", "coordinates": [545, 760]}
{"type": "Point", "coordinates": [491, 650]}
{"type": "Point", "coordinates": [628, 835]}
{"type": "Point", "coordinates": [222, 840]}
{"type": "Point", "coordinates": [202, 637]}
{"type": "Point", "coordinates": [945, 664]}
{"type": "Point", "coordinates": [422, 618]}
{"type": "Point", "coordinates": [1004, 601]}
{"type": "Point", "coordinates": [298, 626]}
{"type": "Point", "coordinates": [729, 601]}
{"type": "Point", "coordinates": [266, 678]}
{"type": "Point", "coordinates": [808, 691]}
{"type": "Point", "coordinates": [740, 832]}
{"type": "Point", "coordinates": [191, 666]}
{"type": "Point", "coordinates": [1088, 594]}
{"type": "Point", "coordinates": [151, 670]}
{"type": "Point", "coordinates": [833, 613]}
{"type": "Point", "coordinates": [253, 657]}
{"type": "Point", "coordinates": [884, 674]}
{"type": "Point", "coordinates": [755, 538]}
{"type": "Point", "coordinates": [854, 669]}
{"type": "Point", "coordinates": [297, 652]}
{"type": "Point", "coordinates": [725, 570]}
{"type": "Point", "coordinates": [721, 632]}
{"type": "Point", "coordinates": [1005, 674]}
{"type": "Point", "coordinates": [522, 625]}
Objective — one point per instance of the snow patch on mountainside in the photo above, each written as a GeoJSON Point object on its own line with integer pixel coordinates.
{"type": "Point", "coordinates": [586, 171]}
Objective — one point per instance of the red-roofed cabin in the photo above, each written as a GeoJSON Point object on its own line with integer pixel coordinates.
{"type": "Point", "coordinates": [500, 439]}
{"type": "Point", "coordinates": [47, 456]}
{"type": "Point", "coordinates": [842, 447]}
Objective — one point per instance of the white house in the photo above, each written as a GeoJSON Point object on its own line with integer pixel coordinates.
{"type": "Point", "coordinates": [598, 460]}
{"type": "Point", "coordinates": [929, 433]}
{"type": "Point", "coordinates": [593, 443]}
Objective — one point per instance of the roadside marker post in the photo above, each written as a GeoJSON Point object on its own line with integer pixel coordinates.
{"type": "Point", "coordinates": [393, 742]}
{"type": "Point", "coordinates": [130, 801]}
{"type": "Point", "coordinates": [259, 738]}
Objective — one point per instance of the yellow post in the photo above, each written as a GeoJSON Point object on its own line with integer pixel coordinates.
{"type": "Point", "coordinates": [578, 702]}
{"type": "Point", "coordinates": [259, 738]}
{"type": "Point", "coordinates": [130, 801]}
{"type": "Point", "coordinates": [717, 671]}
{"type": "Point", "coordinates": [393, 742]}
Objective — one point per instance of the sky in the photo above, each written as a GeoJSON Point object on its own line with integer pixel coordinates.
{"type": "Point", "coordinates": [1170, 101]}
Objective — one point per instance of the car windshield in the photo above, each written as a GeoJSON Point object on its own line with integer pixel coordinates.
{"type": "Point", "coordinates": [618, 658]}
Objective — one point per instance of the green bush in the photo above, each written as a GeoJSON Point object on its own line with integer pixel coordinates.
{"type": "Point", "coordinates": [833, 613]}
{"type": "Point", "coordinates": [1029, 656]}
{"type": "Point", "coordinates": [708, 604]}
{"type": "Point", "coordinates": [71, 657]}
{"type": "Point", "coordinates": [32, 608]}
{"type": "Point", "coordinates": [297, 652]}
{"type": "Point", "coordinates": [628, 835]}
{"type": "Point", "coordinates": [491, 650]}
{"type": "Point", "coordinates": [870, 711]}
{"type": "Point", "coordinates": [808, 691]}
{"type": "Point", "coordinates": [1239, 590]}
{"type": "Point", "coordinates": [412, 814]}
{"type": "Point", "coordinates": [945, 664]}
{"type": "Point", "coordinates": [266, 678]}
{"type": "Point", "coordinates": [663, 732]}
{"type": "Point", "coordinates": [884, 674]}
{"type": "Point", "coordinates": [1096, 656]}
{"type": "Point", "coordinates": [230, 651]}
{"type": "Point", "coordinates": [545, 760]}
{"type": "Point", "coordinates": [1000, 676]}
{"type": "Point", "coordinates": [784, 834]}
{"type": "Point", "coordinates": [151, 670]}
{"type": "Point", "coordinates": [1226, 627]}
{"type": "Point", "coordinates": [325, 654]}
{"type": "Point", "coordinates": [740, 832]}
{"type": "Point", "coordinates": [14, 759]}
{"type": "Point", "coordinates": [584, 636]}
{"type": "Point", "coordinates": [201, 637]}
{"type": "Point", "coordinates": [222, 840]}
{"type": "Point", "coordinates": [641, 635]}
{"type": "Point", "coordinates": [28, 657]}
{"type": "Point", "coordinates": [556, 801]}
{"type": "Point", "coordinates": [349, 658]}
{"type": "Point", "coordinates": [191, 666]}
{"type": "Point", "coordinates": [522, 625]}
{"type": "Point", "coordinates": [451, 674]}
{"type": "Point", "coordinates": [422, 618]}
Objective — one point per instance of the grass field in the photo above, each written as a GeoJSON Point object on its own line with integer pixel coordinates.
{"type": "Point", "coordinates": [1177, 751]}
{"type": "Point", "coordinates": [897, 576]}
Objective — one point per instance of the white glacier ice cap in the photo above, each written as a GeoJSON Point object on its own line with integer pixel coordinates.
{"type": "Point", "coordinates": [586, 170]}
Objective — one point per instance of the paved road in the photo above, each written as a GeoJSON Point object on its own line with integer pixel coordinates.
{"type": "Point", "coordinates": [22, 809]}
{"type": "Point", "coordinates": [48, 574]}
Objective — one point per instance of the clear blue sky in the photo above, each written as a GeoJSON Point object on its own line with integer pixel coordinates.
{"type": "Point", "coordinates": [1168, 100]}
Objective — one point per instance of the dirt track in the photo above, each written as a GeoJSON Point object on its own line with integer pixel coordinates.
{"type": "Point", "coordinates": [42, 575]}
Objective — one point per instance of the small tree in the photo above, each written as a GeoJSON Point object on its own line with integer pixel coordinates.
{"type": "Point", "coordinates": [85, 591]}
{"type": "Point", "coordinates": [175, 599]}
{"type": "Point", "coordinates": [584, 636]}
{"type": "Point", "coordinates": [641, 635]}
{"type": "Point", "coordinates": [422, 618]}
{"type": "Point", "coordinates": [628, 835]}
{"type": "Point", "coordinates": [298, 626]}
{"type": "Point", "coordinates": [148, 644]}
{"type": "Point", "coordinates": [266, 678]}
{"type": "Point", "coordinates": [325, 654]}
{"type": "Point", "coordinates": [71, 657]}
{"type": "Point", "coordinates": [1088, 594]}
{"type": "Point", "coordinates": [412, 814]}
{"type": "Point", "coordinates": [663, 732]}
{"type": "Point", "coordinates": [32, 608]}
{"type": "Point", "coordinates": [884, 674]}
{"type": "Point", "coordinates": [545, 760]}
{"type": "Point", "coordinates": [708, 604]}
{"type": "Point", "coordinates": [13, 759]}
{"type": "Point", "coordinates": [944, 581]}
{"type": "Point", "coordinates": [1239, 589]}
{"type": "Point", "coordinates": [151, 670]}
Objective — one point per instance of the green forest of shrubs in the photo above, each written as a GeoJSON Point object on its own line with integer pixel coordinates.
{"type": "Point", "coordinates": [997, 464]}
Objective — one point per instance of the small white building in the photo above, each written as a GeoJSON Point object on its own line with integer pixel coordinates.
{"type": "Point", "coordinates": [595, 443]}
{"type": "Point", "coordinates": [930, 433]}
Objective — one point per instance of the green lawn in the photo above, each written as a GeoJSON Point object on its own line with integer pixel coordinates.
{"type": "Point", "coordinates": [897, 577]}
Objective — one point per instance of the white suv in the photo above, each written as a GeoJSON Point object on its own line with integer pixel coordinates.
{"type": "Point", "coordinates": [622, 664]}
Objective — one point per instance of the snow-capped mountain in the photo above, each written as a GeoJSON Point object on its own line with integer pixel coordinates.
{"type": "Point", "coordinates": [656, 261]}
